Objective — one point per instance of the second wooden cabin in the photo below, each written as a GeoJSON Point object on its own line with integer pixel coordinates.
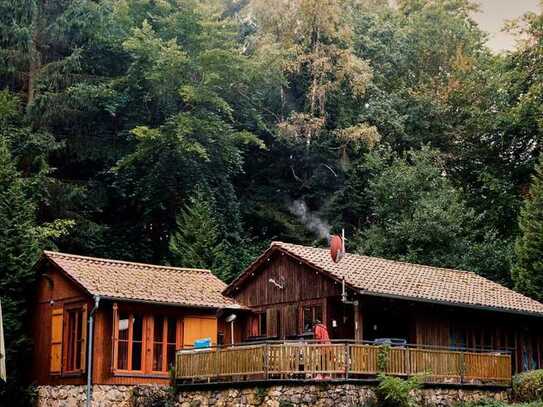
{"type": "Point", "coordinates": [366, 298]}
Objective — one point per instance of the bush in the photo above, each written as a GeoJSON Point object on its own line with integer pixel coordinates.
{"type": "Point", "coordinates": [396, 392]}
{"type": "Point", "coordinates": [528, 386]}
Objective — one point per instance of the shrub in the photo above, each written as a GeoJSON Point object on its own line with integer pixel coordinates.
{"type": "Point", "coordinates": [396, 392]}
{"type": "Point", "coordinates": [528, 386]}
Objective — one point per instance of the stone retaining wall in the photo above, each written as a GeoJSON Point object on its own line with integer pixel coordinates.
{"type": "Point", "coordinates": [320, 395]}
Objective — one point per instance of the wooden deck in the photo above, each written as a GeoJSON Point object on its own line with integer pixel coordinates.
{"type": "Point", "coordinates": [302, 361]}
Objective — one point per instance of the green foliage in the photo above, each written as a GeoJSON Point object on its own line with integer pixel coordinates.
{"type": "Point", "coordinates": [528, 270]}
{"type": "Point", "coordinates": [383, 356]}
{"type": "Point", "coordinates": [419, 216]}
{"type": "Point", "coordinates": [196, 241]}
{"type": "Point", "coordinates": [396, 392]}
{"type": "Point", "coordinates": [18, 251]}
{"type": "Point", "coordinates": [528, 386]}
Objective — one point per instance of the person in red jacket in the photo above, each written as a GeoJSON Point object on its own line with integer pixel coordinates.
{"type": "Point", "coordinates": [320, 332]}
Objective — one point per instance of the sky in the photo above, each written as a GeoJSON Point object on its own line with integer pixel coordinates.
{"type": "Point", "coordinates": [493, 15]}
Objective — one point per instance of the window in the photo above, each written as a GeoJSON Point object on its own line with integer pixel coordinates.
{"type": "Point", "coordinates": [310, 314]}
{"type": "Point", "coordinates": [130, 342]}
{"type": "Point", "coordinates": [134, 333]}
{"type": "Point", "coordinates": [74, 343]}
{"type": "Point", "coordinates": [68, 339]}
{"type": "Point", "coordinates": [262, 325]}
{"type": "Point", "coordinates": [457, 337]}
{"type": "Point", "coordinates": [164, 343]}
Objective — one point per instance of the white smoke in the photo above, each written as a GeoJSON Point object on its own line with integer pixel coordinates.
{"type": "Point", "coordinates": [311, 221]}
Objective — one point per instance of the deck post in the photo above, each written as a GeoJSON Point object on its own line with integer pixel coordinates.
{"type": "Point", "coordinates": [462, 367]}
{"type": "Point", "coordinates": [407, 361]}
{"type": "Point", "coordinates": [266, 360]}
{"type": "Point", "coordinates": [217, 360]}
{"type": "Point", "coordinates": [347, 360]}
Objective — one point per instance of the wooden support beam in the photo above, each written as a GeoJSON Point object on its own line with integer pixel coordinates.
{"type": "Point", "coordinates": [358, 323]}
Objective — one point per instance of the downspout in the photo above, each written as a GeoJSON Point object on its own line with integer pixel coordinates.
{"type": "Point", "coordinates": [89, 350]}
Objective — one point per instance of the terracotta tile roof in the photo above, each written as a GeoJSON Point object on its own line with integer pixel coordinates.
{"type": "Point", "coordinates": [144, 282]}
{"type": "Point", "coordinates": [405, 280]}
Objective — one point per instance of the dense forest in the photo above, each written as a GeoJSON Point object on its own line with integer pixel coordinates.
{"type": "Point", "coordinates": [193, 133]}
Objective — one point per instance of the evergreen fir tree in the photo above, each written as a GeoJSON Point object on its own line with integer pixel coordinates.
{"type": "Point", "coordinates": [528, 270]}
{"type": "Point", "coordinates": [197, 243]}
{"type": "Point", "coordinates": [18, 252]}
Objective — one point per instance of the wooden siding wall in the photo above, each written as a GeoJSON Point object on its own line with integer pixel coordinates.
{"type": "Point", "coordinates": [436, 325]}
{"type": "Point", "coordinates": [103, 373]}
{"type": "Point", "coordinates": [301, 285]}
{"type": "Point", "coordinates": [53, 291]}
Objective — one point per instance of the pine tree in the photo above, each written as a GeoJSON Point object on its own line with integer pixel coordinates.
{"type": "Point", "coordinates": [528, 270]}
{"type": "Point", "coordinates": [197, 243]}
{"type": "Point", "coordinates": [18, 252]}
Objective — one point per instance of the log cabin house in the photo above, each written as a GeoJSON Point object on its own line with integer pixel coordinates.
{"type": "Point", "coordinates": [141, 314]}
{"type": "Point", "coordinates": [134, 318]}
{"type": "Point", "coordinates": [365, 298]}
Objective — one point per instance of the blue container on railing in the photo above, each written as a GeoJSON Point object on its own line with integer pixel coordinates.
{"type": "Point", "coordinates": [202, 343]}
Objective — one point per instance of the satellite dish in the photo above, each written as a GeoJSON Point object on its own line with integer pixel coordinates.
{"type": "Point", "coordinates": [336, 248]}
{"type": "Point", "coordinates": [231, 318]}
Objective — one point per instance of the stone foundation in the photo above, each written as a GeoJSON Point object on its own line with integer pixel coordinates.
{"type": "Point", "coordinates": [320, 395]}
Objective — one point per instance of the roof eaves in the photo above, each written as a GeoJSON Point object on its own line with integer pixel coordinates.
{"type": "Point", "coordinates": [174, 304]}
{"type": "Point", "coordinates": [51, 255]}
{"type": "Point", "coordinates": [246, 273]}
{"type": "Point", "coordinates": [450, 303]}
{"type": "Point", "coordinates": [277, 246]}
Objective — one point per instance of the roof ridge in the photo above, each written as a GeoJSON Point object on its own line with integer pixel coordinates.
{"type": "Point", "coordinates": [49, 253]}
{"type": "Point", "coordinates": [279, 243]}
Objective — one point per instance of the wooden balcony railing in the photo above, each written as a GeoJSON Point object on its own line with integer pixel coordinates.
{"type": "Point", "coordinates": [300, 361]}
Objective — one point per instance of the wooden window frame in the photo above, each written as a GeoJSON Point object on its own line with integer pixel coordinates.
{"type": "Point", "coordinates": [310, 303]}
{"type": "Point", "coordinates": [81, 310]}
{"type": "Point", "coordinates": [263, 315]}
{"type": "Point", "coordinates": [165, 343]}
{"type": "Point", "coordinates": [148, 324]}
{"type": "Point", "coordinates": [130, 342]}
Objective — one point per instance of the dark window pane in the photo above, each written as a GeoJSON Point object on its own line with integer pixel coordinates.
{"type": "Point", "coordinates": [157, 357]}
{"type": "Point", "coordinates": [318, 313]}
{"type": "Point", "coordinates": [123, 326]}
{"type": "Point", "coordinates": [263, 324]}
{"type": "Point", "coordinates": [71, 340]}
{"type": "Point", "coordinates": [75, 332]}
{"type": "Point", "coordinates": [159, 329]}
{"type": "Point", "coordinates": [171, 356]}
{"type": "Point", "coordinates": [172, 328]}
{"type": "Point", "coordinates": [308, 318]}
{"type": "Point", "coordinates": [137, 327]}
{"type": "Point", "coordinates": [136, 356]}
{"type": "Point", "coordinates": [122, 355]}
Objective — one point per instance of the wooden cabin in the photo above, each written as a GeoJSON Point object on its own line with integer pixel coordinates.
{"type": "Point", "coordinates": [366, 298]}
{"type": "Point", "coordinates": [141, 313]}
